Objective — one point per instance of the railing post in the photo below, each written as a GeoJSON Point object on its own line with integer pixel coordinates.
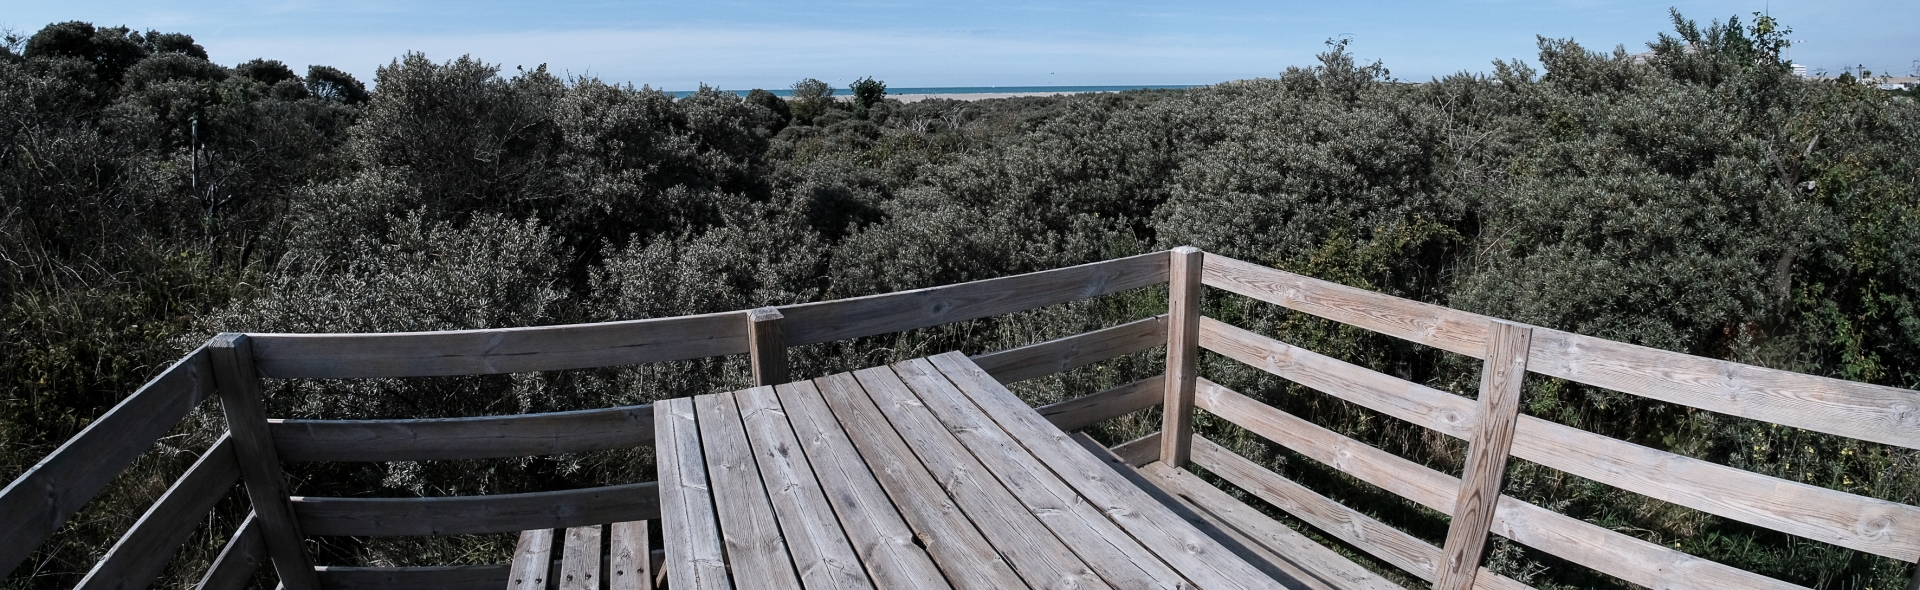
{"type": "Point", "coordinates": [1183, 351]}
{"type": "Point", "coordinates": [767, 345]}
{"type": "Point", "coordinates": [1500, 381]}
{"type": "Point", "coordinates": [240, 397]}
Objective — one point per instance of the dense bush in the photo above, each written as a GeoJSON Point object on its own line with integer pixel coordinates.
{"type": "Point", "coordinates": [1695, 198]}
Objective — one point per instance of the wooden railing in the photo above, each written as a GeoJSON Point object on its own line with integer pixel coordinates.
{"type": "Point", "coordinates": [230, 367]}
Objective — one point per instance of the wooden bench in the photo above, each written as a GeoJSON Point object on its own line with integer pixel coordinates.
{"type": "Point", "coordinates": [601, 557]}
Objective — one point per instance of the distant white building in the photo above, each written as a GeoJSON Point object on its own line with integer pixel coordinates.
{"type": "Point", "coordinates": [1800, 70]}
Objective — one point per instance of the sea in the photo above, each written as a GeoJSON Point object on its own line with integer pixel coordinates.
{"type": "Point", "coordinates": [784, 92]}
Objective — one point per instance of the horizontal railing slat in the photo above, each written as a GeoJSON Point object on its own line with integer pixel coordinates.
{"type": "Point", "coordinates": [1876, 413]}
{"type": "Point", "coordinates": [1378, 539]}
{"type": "Point", "coordinates": [1577, 541]}
{"type": "Point", "coordinates": [446, 439]}
{"type": "Point", "coordinates": [503, 350]}
{"type": "Point", "coordinates": [453, 577]}
{"type": "Point", "coordinates": [1058, 356]}
{"type": "Point", "coordinates": [828, 321]}
{"type": "Point", "coordinates": [468, 515]}
{"type": "Point", "coordinates": [1876, 526]}
{"type": "Point", "coordinates": [1093, 408]}
{"type": "Point", "coordinates": [40, 500]}
{"type": "Point", "coordinates": [234, 567]}
{"type": "Point", "coordinates": [1444, 328]}
{"type": "Point", "coordinates": [145, 549]}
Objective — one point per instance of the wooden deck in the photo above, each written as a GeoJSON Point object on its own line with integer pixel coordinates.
{"type": "Point", "coordinates": [923, 474]}
{"type": "Point", "coordinates": [929, 473]}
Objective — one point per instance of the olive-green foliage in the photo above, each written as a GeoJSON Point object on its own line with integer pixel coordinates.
{"type": "Point", "coordinates": [1698, 199]}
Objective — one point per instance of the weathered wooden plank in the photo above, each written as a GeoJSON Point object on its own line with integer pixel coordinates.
{"type": "Point", "coordinates": [628, 563]}
{"type": "Point", "coordinates": [503, 350]}
{"type": "Point", "coordinates": [243, 403]}
{"type": "Point", "coordinates": [1831, 516]}
{"type": "Point", "coordinates": [1444, 328]}
{"type": "Point", "coordinates": [827, 321]}
{"type": "Point", "coordinates": [35, 504]}
{"type": "Point", "coordinates": [767, 346]}
{"type": "Point", "coordinates": [821, 551]}
{"type": "Point", "coordinates": [1183, 354]}
{"type": "Point", "coordinates": [138, 557]}
{"type": "Point", "coordinates": [1094, 408]}
{"type": "Point", "coordinates": [1606, 551]}
{"type": "Point", "coordinates": [878, 533]}
{"type": "Point", "coordinates": [532, 560]}
{"type": "Point", "coordinates": [470, 515]}
{"type": "Point", "coordinates": [1876, 413]}
{"type": "Point", "coordinates": [1313, 565]}
{"type": "Point", "coordinates": [1139, 451]}
{"type": "Point", "coordinates": [580, 559]}
{"type": "Point", "coordinates": [1281, 570]}
{"type": "Point", "coordinates": [446, 439]}
{"type": "Point", "coordinates": [689, 531]}
{"type": "Point", "coordinates": [1109, 551]}
{"type": "Point", "coordinates": [1189, 551]}
{"type": "Point", "coordinates": [452, 577]}
{"type": "Point", "coordinates": [1040, 557]}
{"type": "Point", "coordinates": [1487, 452]}
{"type": "Point", "coordinates": [961, 550]}
{"type": "Point", "coordinates": [756, 554]}
{"type": "Point", "coordinates": [1032, 361]}
{"type": "Point", "coordinates": [234, 567]}
{"type": "Point", "coordinates": [1389, 544]}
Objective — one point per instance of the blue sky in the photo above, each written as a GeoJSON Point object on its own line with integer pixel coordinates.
{"type": "Point", "coordinates": [738, 44]}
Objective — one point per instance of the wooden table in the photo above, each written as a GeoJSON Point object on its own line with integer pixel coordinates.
{"type": "Point", "coordinates": [923, 474]}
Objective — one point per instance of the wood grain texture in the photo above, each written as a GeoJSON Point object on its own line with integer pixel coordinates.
{"type": "Point", "coordinates": [471, 515]}
{"type": "Point", "coordinates": [503, 350]}
{"type": "Point", "coordinates": [827, 321]}
{"type": "Point", "coordinates": [881, 537]}
{"type": "Point", "coordinates": [580, 559]}
{"type": "Point", "coordinates": [1378, 539]}
{"type": "Point", "coordinates": [532, 560]}
{"type": "Point", "coordinates": [233, 568]}
{"type": "Point", "coordinates": [1831, 516]}
{"type": "Point", "coordinates": [450, 577]}
{"type": "Point", "coordinates": [1033, 361]}
{"type": "Point", "coordinates": [445, 439]}
{"type": "Point", "coordinates": [628, 564]}
{"type": "Point", "coordinates": [1195, 555]}
{"type": "Point", "coordinates": [145, 549]}
{"type": "Point", "coordinates": [689, 530]}
{"type": "Point", "coordinates": [1139, 451]}
{"type": "Point", "coordinates": [1580, 542]}
{"type": "Point", "coordinates": [1876, 413]}
{"type": "Point", "coordinates": [1290, 577]}
{"type": "Point", "coordinates": [1444, 328]}
{"type": "Point", "coordinates": [756, 553]}
{"type": "Point", "coordinates": [821, 551]}
{"type": "Point", "coordinates": [1040, 557]}
{"type": "Point", "coordinates": [1094, 408]}
{"type": "Point", "coordinates": [1183, 353]}
{"type": "Point", "coordinates": [38, 502]}
{"type": "Point", "coordinates": [767, 346]}
{"type": "Point", "coordinates": [1108, 550]}
{"type": "Point", "coordinates": [243, 403]}
{"type": "Point", "coordinates": [1486, 466]}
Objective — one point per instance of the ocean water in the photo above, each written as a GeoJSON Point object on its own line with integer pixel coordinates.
{"type": "Point", "coordinates": [785, 92]}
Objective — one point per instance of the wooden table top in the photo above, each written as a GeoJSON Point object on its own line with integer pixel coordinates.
{"type": "Point", "coordinates": [923, 474]}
